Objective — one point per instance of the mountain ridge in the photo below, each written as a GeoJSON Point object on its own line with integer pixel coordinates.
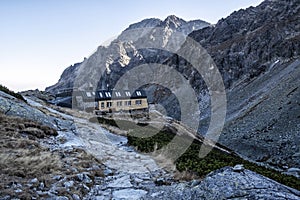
{"type": "Point", "coordinates": [119, 49]}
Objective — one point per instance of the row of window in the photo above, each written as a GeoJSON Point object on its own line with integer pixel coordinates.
{"type": "Point", "coordinates": [109, 104]}
{"type": "Point", "coordinates": [89, 94]}
{"type": "Point", "coordinates": [108, 94]}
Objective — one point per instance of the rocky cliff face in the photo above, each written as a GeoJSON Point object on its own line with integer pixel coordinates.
{"type": "Point", "coordinates": [257, 53]}
{"type": "Point", "coordinates": [248, 41]}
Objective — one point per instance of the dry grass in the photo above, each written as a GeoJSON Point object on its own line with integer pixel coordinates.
{"type": "Point", "coordinates": [23, 158]}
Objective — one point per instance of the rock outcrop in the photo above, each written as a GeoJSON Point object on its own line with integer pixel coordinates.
{"type": "Point", "coordinates": [12, 106]}
{"type": "Point", "coordinates": [224, 184]}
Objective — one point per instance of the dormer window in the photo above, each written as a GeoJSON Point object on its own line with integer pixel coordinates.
{"type": "Point", "coordinates": [127, 93]}
{"type": "Point", "coordinates": [118, 94]}
{"type": "Point", "coordinates": [88, 94]}
{"type": "Point", "coordinates": [107, 94]}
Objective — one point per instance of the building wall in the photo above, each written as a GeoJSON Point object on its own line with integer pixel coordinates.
{"type": "Point", "coordinates": [115, 105]}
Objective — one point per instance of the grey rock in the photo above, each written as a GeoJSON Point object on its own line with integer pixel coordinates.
{"type": "Point", "coordinates": [35, 180]}
{"type": "Point", "coordinates": [18, 191]}
{"type": "Point", "coordinates": [68, 184]}
{"type": "Point", "coordinates": [62, 198]}
{"type": "Point", "coordinates": [120, 182]}
{"type": "Point", "coordinates": [83, 177]}
{"type": "Point", "coordinates": [195, 183]}
{"type": "Point", "coordinates": [57, 177]}
{"type": "Point", "coordinates": [41, 186]}
{"type": "Point", "coordinates": [75, 197]}
{"type": "Point", "coordinates": [131, 194]}
{"type": "Point", "coordinates": [40, 193]}
{"type": "Point", "coordinates": [7, 197]}
{"type": "Point", "coordinates": [107, 172]}
{"type": "Point", "coordinates": [294, 170]}
{"type": "Point", "coordinates": [137, 156]}
{"type": "Point", "coordinates": [86, 188]}
{"type": "Point", "coordinates": [238, 168]}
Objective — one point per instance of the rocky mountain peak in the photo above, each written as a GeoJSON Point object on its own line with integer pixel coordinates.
{"type": "Point", "coordinates": [173, 22]}
{"type": "Point", "coordinates": [146, 23]}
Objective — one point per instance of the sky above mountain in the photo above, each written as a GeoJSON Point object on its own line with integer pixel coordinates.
{"type": "Point", "coordinates": [39, 39]}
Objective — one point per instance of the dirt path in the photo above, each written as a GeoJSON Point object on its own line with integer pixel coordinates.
{"type": "Point", "coordinates": [112, 149]}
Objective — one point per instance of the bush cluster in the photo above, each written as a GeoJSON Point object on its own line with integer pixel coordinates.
{"type": "Point", "coordinates": [12, 93]}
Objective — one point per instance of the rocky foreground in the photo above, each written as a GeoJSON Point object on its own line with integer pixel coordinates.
{"type": "Point", "coordinates": [53, 153]}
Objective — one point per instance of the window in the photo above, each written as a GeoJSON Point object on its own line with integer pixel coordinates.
{"type": "Point", "coordinates": [101, 95]}
{"type": "Point", "coordinates": [127, 103]}
{"type": "Point", "coordinates": [138, 102]}
{"type": "Point", "coordinates": [88, 94]}
{"type": "Point", "coordinates": [119, 103]}
{"type": "Point", "coordinates": [109, 104]}
{"type": "Point", "coordinates": [107, 94]}
{"type": "Point", "coordinates": [138, 93]}
{"type": "Point", "coordinates": [127, 93]}
{"type": "Point", "coordinates": [102, 104]}
{"type": "Point", "coordinates": [118, 94]}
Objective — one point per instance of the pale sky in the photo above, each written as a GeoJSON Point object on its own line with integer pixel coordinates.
{"type": "Point", "coordinates": [40, 38]}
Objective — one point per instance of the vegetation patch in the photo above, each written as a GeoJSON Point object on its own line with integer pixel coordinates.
{"type": "Point", "coordinates": [150, 144]}
{"type": "Point", "coordinates": [12, 93]}
{"type": "Point", "coordinates": [216, 159]}
{"type": "Point", "coordinates": [118, 123]}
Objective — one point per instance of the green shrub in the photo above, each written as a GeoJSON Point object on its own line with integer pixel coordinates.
{"type": "Point", "coordinates": [216, 159]}
{"type": "Point", "coordinates": [7, 91]}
